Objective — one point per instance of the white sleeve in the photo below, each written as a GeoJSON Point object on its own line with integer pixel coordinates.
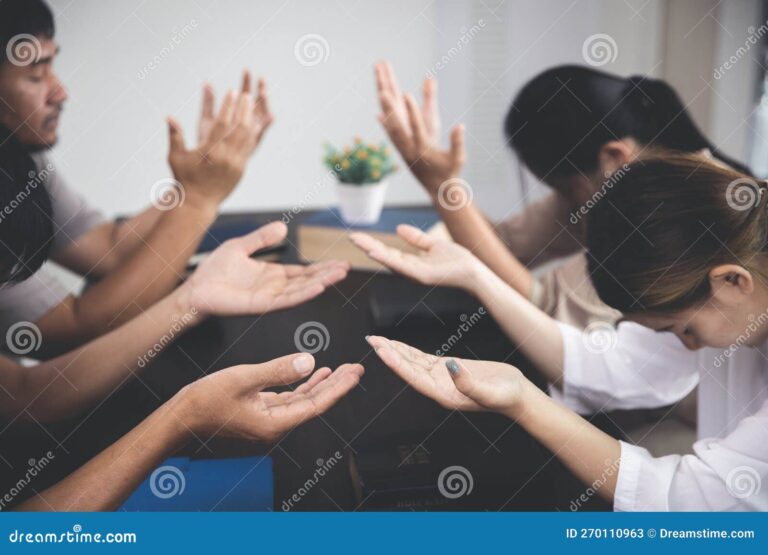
{"type": "Point", "coordinates": [729, 474]}
{"type": "Point", "coordinates": [626, 367]}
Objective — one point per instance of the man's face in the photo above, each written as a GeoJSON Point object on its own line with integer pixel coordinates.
{"type": "Point", "coordinates": [32, 97]}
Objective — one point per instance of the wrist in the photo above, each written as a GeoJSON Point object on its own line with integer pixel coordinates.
{"type": "Point", "coordinates": [481, 279]}
{"type": "Point", "coordinates": [182, 306]}
{"type": "Point", "coordinates": [205, 207]}
{"type": "Point", "coordinates": [524, 405]}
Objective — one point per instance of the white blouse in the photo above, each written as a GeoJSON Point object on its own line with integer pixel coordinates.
{"type": "Point", "coordinates": [642, 368]}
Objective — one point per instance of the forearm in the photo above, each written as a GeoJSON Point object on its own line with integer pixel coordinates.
{"type": "Point", "coordinates": [536, 333]}
{"type": "Point", "coordinates": [70, 383]}
{"type": "Point", "coordinates": [469, 227]}
{"type": "Point", "coordinates": [129, 234]}
{"type": "Point", "coordinates": [592, 455]}
{"type": "Point", "coordinates": [151, 272]}
{"type": "Point", "coordinates": [107, 480]}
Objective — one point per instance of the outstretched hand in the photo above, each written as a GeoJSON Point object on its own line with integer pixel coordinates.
{"type": "Point", "coordinates": [438, 262]}
{"type": "Point", "coordinates": [415, 131]}
{"type": "Point", "coordinates": [469, 385]}
{"type": "Point", "coordinates": [233, 403]}
{"type": "Point", "coordinates": [229, 282]}
{"type": "Point", "coordinates": [212, 169]}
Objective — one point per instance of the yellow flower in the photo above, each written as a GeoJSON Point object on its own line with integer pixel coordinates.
{"type": "Point", "coordinates": [375, 162]}
{"type": "Point", "coordinates": [372, 147]}
{"type": "Point", "coordinates": [362, 155]}
{"type": "Point", "coordinates": [385, 151]}
{"type": "Point", "coordinates": [375, 174]}
{"type": "Point", "coordinates": [358, 140]}
{"type": "Point", "coordinates": [345, 164]}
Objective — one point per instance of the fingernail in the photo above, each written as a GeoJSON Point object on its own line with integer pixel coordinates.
{"type": "Point", "coordinates": [452, 366]}
{"type": "Point", "coordinates": [303, 364]}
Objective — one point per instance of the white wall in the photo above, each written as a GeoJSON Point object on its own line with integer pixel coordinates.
{"type": "Point", "coordinates": [114, 143]}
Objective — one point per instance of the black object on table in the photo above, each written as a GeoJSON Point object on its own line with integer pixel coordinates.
{"type": "Point", "coordinates": [394, 443]}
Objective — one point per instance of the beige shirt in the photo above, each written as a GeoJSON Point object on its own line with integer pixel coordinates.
{"type": "Point", "coordinates": [543, 232]}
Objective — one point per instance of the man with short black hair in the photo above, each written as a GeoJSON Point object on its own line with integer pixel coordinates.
{"type": "Point", "coordinates": [139, 260]}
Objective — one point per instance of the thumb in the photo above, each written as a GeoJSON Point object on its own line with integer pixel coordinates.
{"type": "Point", "coordinates": [460, 376]}
{"type": "Point", "coordinates": [175, 135]}
{"type": "Point", "coordinates": [265, 236]}
{"type": "Point", "coordinates": [457, 146]}
{"type": "Point", "coordinates": [280, 371]}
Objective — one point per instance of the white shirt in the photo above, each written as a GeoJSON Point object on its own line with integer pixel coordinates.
{"type": "Point", "coordinates": [642, 368]}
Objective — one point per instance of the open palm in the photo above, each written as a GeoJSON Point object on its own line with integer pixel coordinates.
{"type": "Point", "coordinates": [415, 131]}
{"type": "Point", "coordinates": [229, 282]}
{"type": "Point", "coordinates": [233, 402]}
{"type": "Point", "coordinates": [478, 386]}
{"type": "Point", "coordinates": [436, 262]}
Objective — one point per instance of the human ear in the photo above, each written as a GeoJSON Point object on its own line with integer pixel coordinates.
{"type": "Point", "coordinates": [615, 154]}
{"type": "Point", "coordinates": [730, 283]}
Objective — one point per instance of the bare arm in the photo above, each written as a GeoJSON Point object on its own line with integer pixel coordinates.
{"type": "Point", "coordinates": [415, 134]}
{"type": "Point", "coordinates": [473, 385]}
{"type": "Point", "coordinates": [228, 282]}
{"type": "Point", "coordinates": [155, 263]}
{"type": "Point", "coordinates": [446, 263]}
{"type": "Point", "coordinates": [101, 250]}
{"type": "Point", "coordinates": [230, 402]}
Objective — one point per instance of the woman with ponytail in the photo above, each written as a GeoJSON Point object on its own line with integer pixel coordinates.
{"type": "Point", "coordinates": [574, 128]}
{"type": "Point", "coordinates": [679, 245]}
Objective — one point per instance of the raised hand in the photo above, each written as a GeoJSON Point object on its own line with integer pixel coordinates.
{"type": "Point", "coordinates": [415, 131]}
{"type": "Point", "coordinates": [469, 385]}
{"type": "Point", "coordinates": [233, 403]}
{"type": "Point", "coordinates": [439, 262]}
{"type": "Point", "coordinates": [211, 170]}
{"type": "Point", "coordinates": [230, 282]}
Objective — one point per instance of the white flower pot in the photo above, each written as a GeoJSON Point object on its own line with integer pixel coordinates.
{"type": "Point", "coordinates": [361, 204]}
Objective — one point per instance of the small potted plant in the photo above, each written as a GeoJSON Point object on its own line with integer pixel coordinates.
{"type": "Point", "coordinates": [361, 171]}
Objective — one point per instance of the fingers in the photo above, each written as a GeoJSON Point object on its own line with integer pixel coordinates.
{"type": "Point", "coordinates": [314, 379]}
{"type": "Point", "coordinates": [244, 109]}
{"type": "Point", "coordinates": [208, 102]}
{"type": "Point", "coordinates": [280, 371]}
{"type": "Point", "coordinates": [397, 129]}
{"type": "Point", "coordinates": [176, 137]}
{"type": "Point", "coordinates": [265, 236]}
{"type": "Point", "coordinates": [366, 243]}
{"type": "Point", "coordinates": [415, 236]}
{"type": "Point", "coordinates": [429, 108]}
{"type": "Point", "coordinates": [245, 86]}
{"type": "Point", "coordinates": [457, 147]}
{"type": "Point", "coordinates": [416, 120]}
{"type": "Point", "coordinates": [224, 119]}
{"type": "Point", "coordinates": [391, 80]}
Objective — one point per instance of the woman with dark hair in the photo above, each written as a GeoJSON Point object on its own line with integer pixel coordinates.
{"type": "Point", "coordinates": [574, 128]}
{"type": "Point", "coordinates": [694, 270]}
